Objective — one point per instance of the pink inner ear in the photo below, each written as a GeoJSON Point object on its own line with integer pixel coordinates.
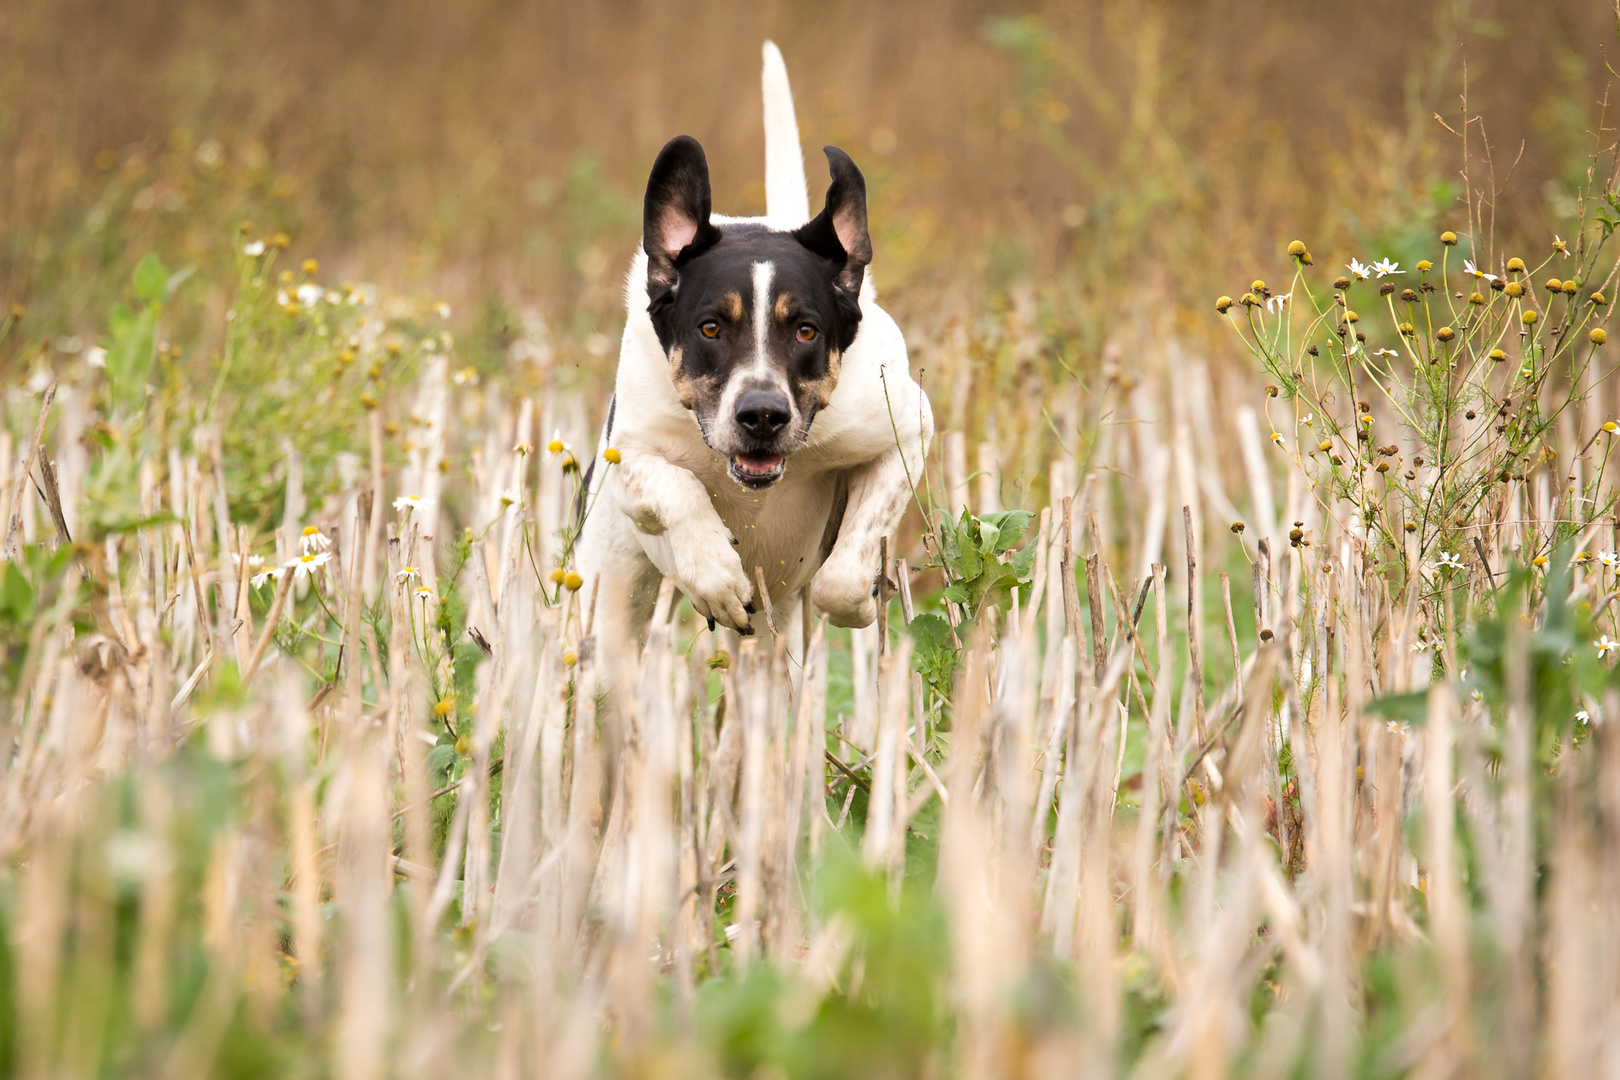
{"type": "Point", "coordinates": [676, 231]}
{"type": "Point", "coordinates": [845, 228]}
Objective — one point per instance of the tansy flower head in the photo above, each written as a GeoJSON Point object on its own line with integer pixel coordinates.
{"type": "Point", "coordinates": [1296, 248]}
{"type": "Point", "coordinates": [1515, 265]}
{"type": "Point", "coordinates": [558, 575]}
{"type": "Point", "coordinates": [1222, 304]}
{"type": "Point", "coordinates": [573, 582]}
{"type": "Point", "coordinates": [1597, 336]}
{"type": "Point", "coordinates": [1448, 238]}
{"type": "Point", "coordinates": [1424, 266]}
{"type": "Point", "coordinates": [611, 455]}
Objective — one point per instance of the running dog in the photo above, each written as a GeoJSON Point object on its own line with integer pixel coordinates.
{"type": "Point", "coordinates": [765, 423]}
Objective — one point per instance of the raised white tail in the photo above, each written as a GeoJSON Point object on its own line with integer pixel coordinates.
{"type": "Point", "coordinates": [787, 198]}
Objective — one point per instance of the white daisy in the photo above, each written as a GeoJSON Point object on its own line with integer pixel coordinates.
{"type": "Point", "coordinates": [1609, 559]}
{"type": "Point", "coordinates": [314, 541]}
{"type": "Point", "coordinates": [306, 565]}
{"type": "Point", "coordinates": [1582, 717]}
{"type": "Point", "coordinates": [1470, 268]}
{"type": "Point", "coordinates": [309, 294]}
{"type": "Point", "coordinates": [272, 574]}
{"type": "Point", "coordinates": [96, 356]}
{"type": "Point", "coordinates": [254, 249]}
{"type": "Point", "coordinates": [407, 573]}
{"type": "Point", "coordinates": [424, 594]}
{"type": "Point", "coordinates": [442, 309]}
{"type": "Point", "coordinates": [1448, 561]}
{"type": "Point", "coordinates": [1385, 352]}
{"type": "Point", "coordinates": [409, 502]}
{"type": "Point", "coordinates": [1606, 645]}
{"type": "Point", "coordinates": [1277, 302]}
{"type": "Point", "coordinates": [1384, 266]}
{"type": "Point", "coordinates": [1358, 269]}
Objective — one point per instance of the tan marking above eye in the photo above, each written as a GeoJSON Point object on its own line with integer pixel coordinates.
{"type": "Point", "coordinates": [732, 305]}
{"type": "Point", "coordinates": [784, 309]}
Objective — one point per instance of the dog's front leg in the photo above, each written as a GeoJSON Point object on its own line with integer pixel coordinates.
{"type": "Point", "coordinates": [663, 499]}
{"type": "Point", "coordinates": [845, 586]}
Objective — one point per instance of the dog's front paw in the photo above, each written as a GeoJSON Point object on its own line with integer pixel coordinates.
{"type": "Point", "coordinates": [711, 575]}
{"type": "Point", "coordinates": [844, 591]}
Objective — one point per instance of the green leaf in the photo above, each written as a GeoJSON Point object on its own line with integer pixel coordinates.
{"type": "Point", "coordinates": [16, 597]}
{"type": "Point", "coordinates": [150, 278]}
{"type": "Point", "coordinates": [1412, 707]}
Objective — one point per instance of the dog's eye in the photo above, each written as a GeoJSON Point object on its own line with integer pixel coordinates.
{"type": "Point", "coordinates": [709, 328]}
{"type": "Point", "coordinates": [807, 332]}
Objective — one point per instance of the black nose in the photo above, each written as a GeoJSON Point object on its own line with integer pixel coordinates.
{"type": "Point", "coordinates": [763, 413]}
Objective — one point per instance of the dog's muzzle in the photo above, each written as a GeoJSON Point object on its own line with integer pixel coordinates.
{"type": "Point", "coordinates": [760, 416]}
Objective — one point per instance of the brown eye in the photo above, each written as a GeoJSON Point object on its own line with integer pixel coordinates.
{"type": "Point", "coordinates": [807, 332]}
{"type": "Point", "coordinates": [709, 328]}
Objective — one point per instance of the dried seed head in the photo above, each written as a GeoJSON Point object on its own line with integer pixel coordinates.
{"type": "Point", "coordinates": [1409, 295]}
{"type": "Point", "coordinates": [1448, 238]}
{"type": "Point", "coordinates": [1297, 248]}
{"type": "Point", "coordinates": [1295, 536]}
{"type": "Point", "coordinates": [720, 661]}
{"type": "Point", "coordinates": [1407, 329]}
{"type": "Point", "coordinates": [1386, 288]}
{"type": "Point", "coordinates": [1258, 286]}
{"type": "Point", "coordinates": [1237, 526]}
{"type": "Point", "coordinates": [1271, 390]}
{"type": "Point", "coordinates": [1248, 299]}
{"type": "Point", "coordinates": [1325, 444]}
{"type": "Point", "coordinates": [1410, 526]}
{"type": "Point", "coordinates": [1305, 259]}
{"type": "Point", "coordinates": [1497, 285]}
{"type": "Point", "coordinates": [1222, 304]}
{"type": "Point", "coordinates": [1383, 466]}
{"type": "Point", "coordinates": [1445, 333]}
{"type": "Point", "coordinates": [1266, 634]}
{"type": "Point", "coordinates": [1476, 298]}
{"type": "Point", "coordinates": [1597, 299]}
{"type": "Point", "coordinates": [1341, 283]}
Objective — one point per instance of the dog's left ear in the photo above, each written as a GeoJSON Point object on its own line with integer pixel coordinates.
{"type": "Point", "coordinates": [675, 219]}
{"type": "Point", "coordinates": [839, 231]}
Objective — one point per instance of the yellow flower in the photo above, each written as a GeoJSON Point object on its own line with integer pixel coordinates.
{"type": "Point", "coordinates": [1597, 336]}
{"type": "Point", "coordinates": [572, 582]}
{"type": "Point", "coordinates": [611, 455]}
{"type": "Point", "coordinates": [1448, 238]}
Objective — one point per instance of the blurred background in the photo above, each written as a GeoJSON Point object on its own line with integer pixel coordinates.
{"type": "Point", "coordinates": [1103, 164]}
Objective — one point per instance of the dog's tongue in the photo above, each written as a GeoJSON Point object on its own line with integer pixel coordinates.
{"type": "Point", "coordinates": [759, 463]}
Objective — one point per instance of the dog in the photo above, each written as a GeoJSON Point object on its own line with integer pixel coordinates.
{"type": "Point", "coordinates": [765, 423]}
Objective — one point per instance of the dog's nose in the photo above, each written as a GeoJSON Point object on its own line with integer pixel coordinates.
{"type": "Point", "coordinates": [763, 413]}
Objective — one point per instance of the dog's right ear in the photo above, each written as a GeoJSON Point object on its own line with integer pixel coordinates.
{"type": "Point", "coordinates": [675, 221]}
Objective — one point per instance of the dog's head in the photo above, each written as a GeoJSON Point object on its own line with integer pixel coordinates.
{"type": "Point", "coordinates": [754, 320]}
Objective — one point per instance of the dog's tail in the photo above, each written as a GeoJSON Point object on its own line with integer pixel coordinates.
{"type": "Point", "coordinates": [787, 199]}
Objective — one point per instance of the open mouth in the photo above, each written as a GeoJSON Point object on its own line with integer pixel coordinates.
{"type": "Point", "coordinates": [756, 470]}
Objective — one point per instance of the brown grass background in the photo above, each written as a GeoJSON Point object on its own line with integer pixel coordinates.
{"type": "Point", "coordinates": [426, 142]}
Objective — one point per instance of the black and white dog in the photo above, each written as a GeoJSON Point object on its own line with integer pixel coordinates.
{"type": "Point", "coordinates": [764, 412]}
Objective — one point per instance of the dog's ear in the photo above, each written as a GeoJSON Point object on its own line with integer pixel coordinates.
{"type": "Point", "coordinates": [839, 231]}
{"type": "Point", "coordinates": [675, 222]}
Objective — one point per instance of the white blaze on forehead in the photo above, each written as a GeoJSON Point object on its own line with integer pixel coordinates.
{"type": "Point", "coordinates": [763, 273]}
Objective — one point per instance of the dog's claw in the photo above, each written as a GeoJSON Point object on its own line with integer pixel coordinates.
{"type": "Point", "coordinates": [749, 607]}
{"type": "Point", "coordinates": [745, 630]}
{"type": "Point", "coordinates": [711, 623]}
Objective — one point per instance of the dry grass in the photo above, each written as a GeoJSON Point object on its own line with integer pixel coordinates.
{"type": "Point", "coordinates": [1116, 788]}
